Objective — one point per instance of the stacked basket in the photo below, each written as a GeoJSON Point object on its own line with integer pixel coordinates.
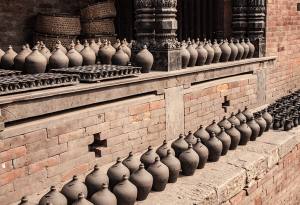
{"type": "Point", "coordinates": [52, 27]}
{"type": "Point", "coordinates": [98, 20]}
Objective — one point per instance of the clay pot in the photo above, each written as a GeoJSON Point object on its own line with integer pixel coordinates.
{"type": "Point", "coordinates": [194, 55]}
{"type": "Point", "coordinates": [215, 147]}
{"type": "Point", "coordinates": [241, 50]}
{"type": "Point", "coordinates": [179, 145]}
{"type": "Point", "coordinates": [99, 43]}
{"type": "Point", "coordinates": [160, 174]}
{"type": "Point", "coordinates": [117, 44]}
{"type": "Point", "coordinates": [162, 151]}
{"type": "Point", "coordinates": [35, 62]}
{"type": "Point", "coordinates": [226, 51]}
{"type": "Point", "coordinates": [7, 60]}
{"type": "Point", "coordinates": [234, 51]}
{"type": "Point", "coordinates": [245, 131]}
{"type": "Point", "coordinates": [202, 55]}
{"type": "Point", "coordinates": [217, 51]}
{"type": "Point", "coordinates": [104, 197]}
{"type": "Point", "coordinates": [106, 54]}
{"type": "Point", "coordinates": [247, 114]}
{"type": "Point", "coordinates": [268, 118]}
{"type": "Point", "coordinates": [25, 201]}
{"type": "Point", "coordinates": [202, 134]}
{"type": "Point", "coordinates": [234, 120]}
{"type": "Point", "coordinates": [131, 163]}
{"type": "Point", "coordinates": [81, 200]}
{"type": "Point", "coordinates": [144, 59]}
{"type": "Point", "coordinates": [54, 197]}
{"type": "Point", "coordinates": [251, 48]}
{"type": "Point", "coordinates": [225, 123]}
{"type": "Point", "coordinates": [149, 157]}
{"type": "Point", "coordinates": [235, 136]}
{"type": "Point", "coordinates": [213, 128]}
{"type": "Point", "coordinates": [94, 46]}
{"type": "Point", "coordinates": [88, 55]}
{"type": "Point", "coordinates": [28, 47]}
{"type": "Point", "coordinates": [240, 116]}
{"type": "Point", "coordinates": [19, 60]}
{"type": "Point", "coordinates": [73, 188]}
{"type": "Point", "coordinates": [254, 127]}
{"type": "Point", "coordinates": [79, 47]}
{"type": "Point", "coordinates": [226, 141]}
{"type": "Point", "coordinates": [190, 138]}
{"type": "Point", "coordinates": [246, 49]}
{"type": "Point", "coordinates": [126, 192]}
{"type": "Point", "coordinates": [116, 172]}
{"type": "Point", "coordinates": [143, 181]}
{"type": "Point", "coordinates": [95, 180]}
{"type": "Point", "coordinates": [210, 53]}
{"type": "Point", "coordinates": [61, 47]}
{"type": "Point", "coordinates": [125, 48]}
{"type": "Point", "coordinates": [174, 166]}
{"type": "Point", "coordinates": [1, 54]}
{"type": "Point", "coordinates": [58, 59]}
{"type": "Point", "coordinates": [262, 124]}
{"type": "Point", "coordinates": [185, 55]}
{"type": "Point", "coordinates": [45, 51]}
{"type": "Point", "coordinates": [75, 58]}
{"type": "Point", "coordinates": [120, 58]}
{"type": "Point", "coordinates": [189, 161]}
{"type": "Point", "coordinates": [202, 152]}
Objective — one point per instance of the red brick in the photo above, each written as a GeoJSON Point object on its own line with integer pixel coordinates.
{"type": "Point", "coordinates": [136, 109]}
{"type": "Point", "coordinates": [239, 198]}
{"type": "Point", "coordinates": [9, 177]}
{"type": "Point", "coordinates": [38, 166]}
{"type": "Point", "coordinates": [77, 170]}
{"type": "Point", "coordinates": [157, 105]}
{"type": "Point", "coordinates": [12, 154]}
{"type": "Point", "coordinates": [70, 136]}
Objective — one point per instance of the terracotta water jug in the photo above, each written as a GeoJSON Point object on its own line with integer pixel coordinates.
{"type": "Point", "coordinates": [125, 48]}
{"type": "Point", "coordinates": [117, 44]}
{"type": "Point", "coordinates": [226, 51]}
{"type": "Point", "coordinates": [149, 157]}
{"type": "Point", "coordinates": [35, 62]}
{"type": "Point", "coordinates": [226, 141]}
{"type": "Point", "coordinates": [1, 54]}
{"type": "Point", "coordinates": [174, 166]}
{"type": "Point", "coordinates": [202, 55]}
{"type": "Point", "coordinates": [210, 53]}
{"type": "Point", "coordinates": [79, 47]}
{"type": "Point", "coordinates": [81, 200]}
{"type": "Point", "coordinates": [247, 114]}
{"type": "Point", "coordinates": [99, 43]}
{"type": "Point", "coordinates": [19, 60]}
{"type": "Point", "coordinates": [202, 134]}
{"type": "Point", "coordinates": [254, 127]}
{"type": "Point", "coordinates": [241, 50]}
{"type": "Point", "coordinates": [144, 59]}
{"type": "Point", "coordinates": [88, 55]}
{"type": "Point", "coordinates": [46, 52]}
{"type": "Point", "coordinates": [131, 163]}
{"type": "Point", "coordinates": [143, 181]}
{"type": "Point", "coordinates": [190, 138]}
{"type": "Point", "coordinates": [120, 58]}
{"type": "Point", "coordinates": [58, 59]}
{"type": "Point", "coordinates": [246, 49]}
{"type": "Point", "coordinates": [105, 54]}
{"type": "Point", "coordinates": [202, 152]}
{"type": "Point", "coordinates": [94, 46]}
{"type": "Point", "coordinates": [104, 197]}
{"type": "Point", "coordinates": [61, 47]}
{"type": "Point", "coordinates": [25, 201]}
{"type": "Point", "coordinates": [179, 145]}
{"type": "Point", "coordinates": [95, 180]}
{"type": "Point", "coordinates": [194, 55]}
{"type": "Point", "coordinates": [28, 47]}
{"type": "Point", "coordinates": [251, 48]}
{"type": "Point", "coordinates": [185, 55]}
{"type": "Point", "coordinates": [245, 131]}
{"type": "Point", "coordinates": [235, 136]}
{"type": "Point", "coordinates": [189, 161]}
{"type": "Point", "coordinates": [234, 51]}
{"type": "Point", "coordinates": [234, 120]}
{"type": "Point", "coordinates": [225, 123]}
{"type": "Point", "coordinates": [126, 192]}
{"type": "Point", "coordinates": [215, 147]}
{"type": "Point", "coordinates": [75, 58]}
{"type": "Point", "coordinates": [268, 118]}
{"type": "Point", "coordinates": [7, 60]}
{"type": "Point", "coordinates": [160, 174]}
{"type": "Point", "coordinates": [262, 124]}
{"type": "Point", "coordinates": [217, 51]}
{"type": "Point", "coordinates": [73, 188]}
{"type": "Point", "coordinates": [240, 116]}
{"type": "Point", "coordinates": [54, 197]}
{"type": "Point", "coordinates": [213, 127]}
{"type": "Point", "coordinates": [116, 172]}
{"type": "Point", "coordinates": [162, 150]}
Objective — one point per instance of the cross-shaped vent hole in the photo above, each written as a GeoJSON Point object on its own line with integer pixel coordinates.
{"type": "Point", "coordinates": [98, 146]}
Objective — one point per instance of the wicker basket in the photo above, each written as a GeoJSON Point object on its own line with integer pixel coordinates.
{"type": "Point", "coordinates": [58, 24]}
{"type": "Point", "coordinates": [99, 10]}
{"type": "Point", "coordinates": [50, 40]}
{"type": "Point", "coordinates": [102, 26]}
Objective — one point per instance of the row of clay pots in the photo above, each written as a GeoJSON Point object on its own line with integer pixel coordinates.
{"type": "Point", "coordinates": [204, 53]}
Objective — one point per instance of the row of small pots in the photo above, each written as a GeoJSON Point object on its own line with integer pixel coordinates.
{"type": "Point", "coordinates": [197, 53]}
{"type": "Point", "coordinates": [132, 180]}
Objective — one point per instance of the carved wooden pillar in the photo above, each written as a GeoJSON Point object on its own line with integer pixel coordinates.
{"type": "Point", "coordinates": [256, 14]}
{"type": "Point", "coordinates": [218, 6]}
{"type": "Point", "coordinates": [239, 18]}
